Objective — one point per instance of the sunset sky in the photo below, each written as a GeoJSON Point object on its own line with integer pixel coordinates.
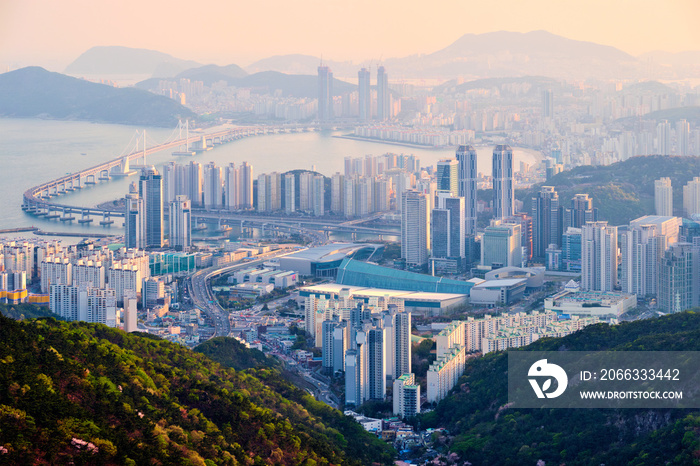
{"type": "Point", "coordinates": [52, 33]}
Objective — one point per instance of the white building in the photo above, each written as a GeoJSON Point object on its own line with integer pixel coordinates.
{"type": "Point", "coordinates": [180, 223]}
{"type": "Point", "coordinates": [598, 256]}
{"type": "Point", "coordinates": [406, 396]}
{"type": "Point", "coordinates": [663, 197]}
{"type": "Point", "coordinates": [415, 228]}
{"type": "Point", "coordinates": [84, 303]}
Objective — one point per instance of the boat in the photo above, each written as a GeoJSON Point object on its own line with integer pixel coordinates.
{"type": "Point", "coordinates": [201, 226]}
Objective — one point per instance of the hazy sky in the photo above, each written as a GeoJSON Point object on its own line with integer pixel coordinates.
{"type": "Point", "coordinates": [52, 33]}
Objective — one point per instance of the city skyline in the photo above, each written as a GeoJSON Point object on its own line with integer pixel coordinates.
{"type": "Point", "coordinates": [35, 32]}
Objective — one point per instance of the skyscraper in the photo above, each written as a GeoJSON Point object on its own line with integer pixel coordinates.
{"type": "Point", "coordinates": [580, 212]}
{"type": "Point", "coordinates": [231, 187]}
{"type": "Point", "coordinates": [598, 256]}
{"type": "Point", "coordinates": [663, 138]}
{"type": "Point", "coordinates": [180, 223]}
{"type": "Point", "coordinates": [691, 197]}
{"type": "Point", "coordinates": [448, 227]}
{"type": "Point", "coordinates": [289, 201]}
{"type": "Point", "coordinates": [502, 173]}
{"type": "Point", "coordinates": [194, 183]}
{"type": "Point", "coordinates": [547, 103]}
{"type": "Point", "coordinates": [376, 345]}
{"type": "Point", "coordinates": [402, 342]}
{"type": "Point", "coordinates": [134, 220]}
{"type": "Point", "coordinates": [383, 96]}
{"type": "Point", "coordinates": [678, 278]}
{"type": "Point", "coordinates": [213, 186]}
{"type": "Point", "coordinates": [682, 137]}
{"type": "Point", "coordinates": [546, 220]}
{"type": "Point", "coordinates": [151, 191]}
{"type": "Point", "coordinates": [245, 186]}
{"type": "Point", "coordinates": [467, 176]}
{"type": "Point", "coordinates": [448, 176]}
{"type": "Point", "coordinates": [318, 196]}
{"type": "Point", "coordinates": [501, 245]}
{"type": "Point", "coordinates": [663, 197]}
{"type": "Point", "coordinates": [415, 229]}
{"type": "Point", "coordinates": [325, 93]}
{"type": "Point", "coordinates": [365, 94]}
{"type": "Point", "coordinates": [337, 193]}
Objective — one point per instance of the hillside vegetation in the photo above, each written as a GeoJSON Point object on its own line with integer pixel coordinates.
{"type": "Point", "coordinates": [622, 191]}
{"type": "Point", "coordinates": [77, 393]}
{"type": "Point", "coordinates": [487, 431]}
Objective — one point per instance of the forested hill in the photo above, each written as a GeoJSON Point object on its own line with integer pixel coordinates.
{"type": "Point", "coordinates": [622, 191]}
{"type": "Point", "coordinates": [76, 393]}
{"type": "Point", "coordinates": [483, 430]}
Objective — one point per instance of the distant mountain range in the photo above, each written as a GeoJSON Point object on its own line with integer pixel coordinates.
{"type": "Point", "coordinates": [35, 92]}
{"type": "Point", "coordinates": [490, 55]}
{"type": "Point", "coordinates": [114, 60]}
{"type": "Point", "coordinates": [292, 85]}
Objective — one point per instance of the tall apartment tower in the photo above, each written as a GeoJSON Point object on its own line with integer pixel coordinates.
{"type": "Point", "coordinates": [546, 220]}
{"type": "Point", "coordinates": [365, 93]}
{"type": "Point", "coordinates": [415, 228]}
{"type": "Point", "coordinates": [678, 278]}
{"type": "Point", "coordinates": [180, 223]}
{"type": "Point", "coordinates": [383, 96]}
{"type": "Point", "coordinates": [134, 221]}
{"type": "Point", "coordinates": [663, 138]}
{"type": "Point", "coordinates": [663, 197]}
{"type": "Point", "coordinates": [691, 197]}
{"type": "Point", "coordinates": [448, 176]}
{"type": "Point", "coordinates": [448, 227]}
{"type": "Point", "coordinates": [318, 196]}
{"type": "Point", "coordinates": [376, 346]}
{"type": "Point", "coordinates": [245, 186]}
{"type": "Point", "coordinates": [325, 93]}
{"type": "Point", "coordinates": [231, 176]}
{"type": "Point", "coordinates": [151, 191]}
{"type": "Point", "coordinates": [213, 186]}
{"type": "Point", "coordinates": [402, 343]}
{"type": "Point", "coordinates": [598, 256]}
{"type": "Point", "coordinates": [467, 176]}
{"type": "Point", "coordinates": [502, 173]}
{"type": "Point", "coordinates": [289, 201]}
{"type": "Point", "coordinates": [580, 212]}
{"type": "Point", "coordinates": [194, 183]}
{"type": "Point", "coordinates": [682, 138]}
{"type": "Point", "coordinates": [547, 103]}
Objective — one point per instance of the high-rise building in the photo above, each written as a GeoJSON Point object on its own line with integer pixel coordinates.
{"type": "Point", "coordinates": [376, 370]}
{"type": "Point", "coordinates": [663, 138]}
{"type": "Point", "coordinates": [245, 186]}
{"type": "Point", "coordinates": [325, 93]}
{"type": "Point", "coordinates": [547, 103]}
{"type": "Point", "coordinates": [415, 228]}
{"type": "Point", "coordinates": [151, 191]}
{"type": "Point", "coordinates": [502, 173]}
{"type": "Point", "coordinates": [174, 181]}
{"type": "Point", "coordinates": [501, 245]}
{"type": "Point", "coordinates": [402, 341]}
{"type": "Point", "coordinates": [571, 250]}
{"type": "Point", "coordinates": [365, 93]}
{"type": "Point", "coordinates": [691, 197]}
{"type": "Point", "coordinates": [466, 159]}
{"type": "Point", "coordinates": [663, 197]}
{"type": "Point", "coordinates": [289, 191]}
{"type": "Point", "coordinates": [231, 190]}
{"type": "Point", "coordinates": [305, 190]}
{"type": "Point", "coordinates": [213, 186]}
{"type": "Point", "coordinates": [318, 196]}
{"type": "Point", "coordinates": [682, 138]}
{"type": "Point", "coordinates": [406, 396]}
{"type": "Point", "coordinates": [598, 256]}
{"type": "Point", "coordinates": [180, 223]}
{"type": "Point", "coordinates": [84, 303]}
{"type": "Point", "coordinates": [134, 220]}
{"type": "Point", "coordinates": [55, 271]}
{"type": "Point", "coordinates": [337, 194]}
{"type": "Point", "coordinates": [546, 221]}
{"type": "Point", "coordinates": [194, 177]}
{"type": "Point", "coordinates": [447, 176]}
{"type": "Point", "coordinates": [383, 95]}
{"type": "Point", "coordinates": [678, 278]}
{"type": "Point", "coordinates": [580, 212]}
{"type": "Point", "coordinates": [447, 233]}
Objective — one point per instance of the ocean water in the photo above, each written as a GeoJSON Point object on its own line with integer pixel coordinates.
{"type": "Point", "coordinates": [33, 151]}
